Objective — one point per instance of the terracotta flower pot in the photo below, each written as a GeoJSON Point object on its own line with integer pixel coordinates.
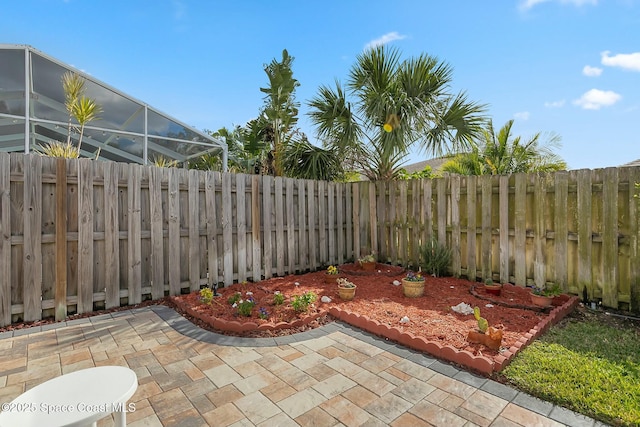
{"type": "Point", "coordinates": [346, 293]}
{"type": "Point", "coordinates": [412, 289]}
{"type": "Point", "coordinates": [541, 300]}
{"type": "Point", "coordinates": [331, 278]}
{"type": "Point", "coordinates": [368, 266]}
{"type": "Point", "coordinates": [492, 338]}
{"type": "Point", "coordinates": [493, 289]}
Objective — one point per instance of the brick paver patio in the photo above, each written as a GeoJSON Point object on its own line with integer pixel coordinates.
{"type": "Point", "coordinates": [332, 376]}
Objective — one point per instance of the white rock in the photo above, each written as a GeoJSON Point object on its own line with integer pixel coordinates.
{"type": "Point", "coordinates": [462, 308]}
{"type": "Point", "coordinates": [396, 283]}
{"type": "Point", "coordinates": [325, 299]}
{"type": "Point", "coordinates": [405, 319]}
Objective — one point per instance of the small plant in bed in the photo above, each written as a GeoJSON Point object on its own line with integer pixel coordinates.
{"type": "Point", "coordinates": [278, 298]}
{"type": "Point", "coordinates": [435, 258]}
{"type": "Point", "coordinates": [301, 303]}
{"type": "Point", "coordinates": [206, 295]}
{"type": "Point", "coordinates": [245, 307]}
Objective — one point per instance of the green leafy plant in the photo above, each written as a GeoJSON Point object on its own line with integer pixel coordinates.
{"type": "Point", "coordinates": [547, 291]}
{"type": "Point", "coordinates": [367, 258]}
{"type": "Point", "coordinates": [301, 303]}
{"type": "Point", "coordinates": [235, 298]}
{"type": "Point", "coordinates": [278, 298]}
{"type": "Point", "coordinates": [245, 307]}
{"type": "Point", "coordinates": [206, 295]}
{"type": "Point", "coordinates": [435, 257]}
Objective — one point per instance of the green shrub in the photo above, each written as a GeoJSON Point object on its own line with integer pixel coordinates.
{"type": "Point", "coordinates": [435, 258]}
{"type": "Point", "coordinates": [245, 307]}
{"type": "Point", "coordinates": [301, 303]}
{"type": "Point", "coordinates": [206, 295]}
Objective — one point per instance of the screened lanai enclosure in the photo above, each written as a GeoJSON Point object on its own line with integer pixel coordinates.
{"type": "Point", "coordinates": [33, 113]}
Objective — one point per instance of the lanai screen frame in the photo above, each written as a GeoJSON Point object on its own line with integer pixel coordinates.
{"type": "Point", "coordinates": [133, 137]}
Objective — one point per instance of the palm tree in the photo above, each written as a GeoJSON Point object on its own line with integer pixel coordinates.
{"type": "Point", "coordinates": [396, 104]}
{"type": "Point", "coordinates": [280, 113]}
{"type": "Point", "coordinates": [79, 107]}
{"type": "Point", "coordinates": [239, 161]}
{"type": "Point", "coordinates": [503, 153]}
{"type": "Point", "coordinates": [307, 161]}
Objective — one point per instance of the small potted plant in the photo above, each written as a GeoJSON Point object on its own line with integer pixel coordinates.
{"type": "Point", "coordinates": [492, 288]}
{"type": "Point", "coordinates": [485, 335]}
{"type": "Point", "coordinates": [413, 285]}
{"type": "Point", "coordinates": [346, 289]}
{"type": "Point", "coordinates": [542, 296]}
{"type": "Point", "coordinates": [368, 262]}
{"type": "Point", "coordinates": [331, 274]}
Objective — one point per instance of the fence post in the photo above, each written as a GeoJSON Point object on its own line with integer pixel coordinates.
{"type": "Point", "coordinates": [5, 240]}
{"type": "Point", "coordinates": [61, 240]}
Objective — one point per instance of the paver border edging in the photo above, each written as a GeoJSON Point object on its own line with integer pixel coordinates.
{"type": "Point", "coordinates": [480, 364]}
{"type": "Point", "coordinates": [237, 327]}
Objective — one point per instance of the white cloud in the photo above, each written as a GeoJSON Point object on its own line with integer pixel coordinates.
{"type": "Point", "coordinates": [596, 99]}
{"type": "Point", "coordinates": [522, 115]}
{"type": "Point", "coordinates": [590, 71]}
{"type": "Point", "coordinates": [555, 104]}
{"type": "Point", "coordinates": [387, 38]}
{"type": "Point", "coordinates": [528, 4]}
{"type": "Point", "coordinates": [627, 61]}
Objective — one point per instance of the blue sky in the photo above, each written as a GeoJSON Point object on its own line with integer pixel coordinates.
{"type": "Point", "coordinates": [566, 66]}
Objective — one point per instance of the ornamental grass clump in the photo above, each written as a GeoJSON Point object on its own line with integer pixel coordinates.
{"type": "Point", "coordinates": [435, 258]}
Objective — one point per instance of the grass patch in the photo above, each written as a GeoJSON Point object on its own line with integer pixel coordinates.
{"type": "Point", "coordinates": [590, 366]}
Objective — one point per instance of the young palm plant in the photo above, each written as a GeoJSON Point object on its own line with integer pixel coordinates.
{"type": "Point", "coordinates": [387, 106]}
{"type": "Point", "coordinates": [503, 153]}
{"type": "Point", "coordinates": [79, 107]}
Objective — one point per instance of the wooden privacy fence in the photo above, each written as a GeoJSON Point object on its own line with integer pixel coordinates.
{"type": "Point", "coordinates": [77, 235]}
{"type": "Point", "coordinates": [578, 228]}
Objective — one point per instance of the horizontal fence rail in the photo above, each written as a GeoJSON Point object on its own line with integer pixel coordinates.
{"type": "Point", "coordinates": [78, 235]}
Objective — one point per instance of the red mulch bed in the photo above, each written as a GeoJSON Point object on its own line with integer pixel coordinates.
{"type": "Point", "coordinates": [430, 316]}
{"type": "Point", "coordinates": [378, 307]}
